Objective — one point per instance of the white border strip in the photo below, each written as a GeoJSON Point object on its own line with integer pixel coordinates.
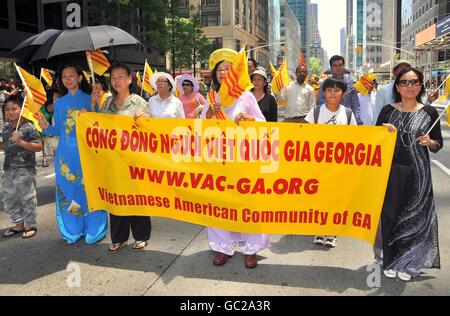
{"type": "Point", "coordinates": [444, 168]}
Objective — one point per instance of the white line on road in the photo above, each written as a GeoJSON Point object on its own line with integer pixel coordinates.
{"type": "Point", "coordinates": [49, 176]}
{"type": "Point", "coordinates": [444, 168]}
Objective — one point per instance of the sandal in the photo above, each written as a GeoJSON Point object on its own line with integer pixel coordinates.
{"type": "Point", "coordinates": [33, 229]}
{"type": "Point", "coordinates": [140, 245]}
{"type": "Point", "coordinates": [11, 232]}
{"type": "Point", "coordinates": [44, 163]}
{"type": "Point", "coordinates": [114, 248]}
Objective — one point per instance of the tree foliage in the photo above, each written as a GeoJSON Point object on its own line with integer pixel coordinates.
{"type": "Point", "coordinates": [316, 65]}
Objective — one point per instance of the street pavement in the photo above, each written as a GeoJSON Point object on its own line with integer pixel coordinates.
{"type": "Point", "coordinates": [178, 261]}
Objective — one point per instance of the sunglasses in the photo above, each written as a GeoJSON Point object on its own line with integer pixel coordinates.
{"type": "Point", "coordinates": [186, 85]}
{"type": "Point", "coordinates": [413, 82]}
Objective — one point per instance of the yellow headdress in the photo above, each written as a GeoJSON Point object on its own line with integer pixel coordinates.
{"type": "Point", "coordinates": [221, 55]}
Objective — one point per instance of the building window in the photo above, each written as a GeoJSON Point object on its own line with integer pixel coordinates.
{"type": "Point", "coordinates": [262, 15]}
{"type": "Point", "coordinates": [26, 20]}
{"type": "Point", "coordinates": [211, 20]}
{"type": "Point", "coordinates": [53, 16]}
{"type": "Point", "coordinates": [236, 12]}
{"type": "Point", "coordinates": [4, 23]}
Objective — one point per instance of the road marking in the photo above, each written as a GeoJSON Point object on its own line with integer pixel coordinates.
{"type": "Point", "coordinates": [49, 176]}
{"type": "Point", "coordinates": [444, 168]}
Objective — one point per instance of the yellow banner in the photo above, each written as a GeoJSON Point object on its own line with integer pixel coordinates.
{"type": "Point", "coordinates": [256, 178]}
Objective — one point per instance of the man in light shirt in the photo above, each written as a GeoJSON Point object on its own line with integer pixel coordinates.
{"type": "Point", "coordinates": [385, 94]}
{"type": "Point", "coordinates": [299, 96]}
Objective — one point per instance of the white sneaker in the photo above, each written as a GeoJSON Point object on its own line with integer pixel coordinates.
{"type": "Point", "coordinates": [319, 240]}
{"type": "Point", "coordinates": [404, 276]}
{"type": "Point", "coordinates": [330, 241]}
{"type": "Point", "coordinates": [391, 274]}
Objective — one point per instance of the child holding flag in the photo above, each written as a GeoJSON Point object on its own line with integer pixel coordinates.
{"type": "Point", "coordinates": [20, 142]}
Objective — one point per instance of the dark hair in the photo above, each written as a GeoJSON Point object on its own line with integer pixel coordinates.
{"type": "Point", "coordinates": [14, 98]}
{"type": "Point", "coordinates": [334, 83]}
{"type": "Point", "coordinates": [215, 84]}
{"type": "Point", "coordinates": [84, 85]}
{"type": "Point", "coordinates": [336, 58]}
{"type": "Point", "coordinates": [266, 88]}
{"type": "Point", "coordinates": [103, 81]}
{"type": "Point", "coordinates": [127, 70]}
{"type": "Point", "coordinates": [50, 93]}
{"type": "Point", "coordinates": [255, 63]}
{"type": "Point", "coordinates": [397, 96]}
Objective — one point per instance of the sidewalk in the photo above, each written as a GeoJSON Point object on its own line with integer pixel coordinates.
{"type": "Point", "coordinates": [178, 262]}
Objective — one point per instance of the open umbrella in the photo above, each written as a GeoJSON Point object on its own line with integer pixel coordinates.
{"type": "Point", "coordinates": [25, 50]}
{"type": "Point", "coordinates": [83, 39]}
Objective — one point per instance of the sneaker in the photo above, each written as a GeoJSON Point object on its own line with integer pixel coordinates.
{"type": "Point", "coordinates": [404, 276]}
{"type": "Point", "coordinates": [390, 274]}
{"type": "Point", "coordinates": [330, 241]}
{"type": "Point", "coordinates": [319, 240]}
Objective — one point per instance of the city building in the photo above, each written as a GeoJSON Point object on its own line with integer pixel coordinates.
{"type": "Point", "coordinates": [17, 24]}
{"type": "Point", "coordinates": [291, 34]}
{"type": "Point", "coordinates": [424, 33]}
{"type": "Point", "coordinates": [234, 23]}
{"type": "Point", "coordinates": [343, 37]}
{"type": "Point", "coordinates": [300, 8]}
{"type": "Point", "coordinates": [316, 49]}
{"type": "Point", "coordinates": [276, 48]}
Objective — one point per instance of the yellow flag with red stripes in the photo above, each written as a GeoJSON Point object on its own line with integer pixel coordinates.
{"type": "Point", "coordinates": [47, 76]}
{"type": "Point", "coordinates": [365, 84]}
{"type": "Point", "coordinates": [148, 73]}
{"type": "Point", "coordinates": [237, 80]}
{"type": "Point", "coordinates": [33, 88]}
{"type": "Point", "coordinates": [29, 112]}
{"type": "Point", "coordinates": [281, 78]}
{"type": "Point", "coordinates": [138, 80]}
{"type": "Point", "coordinates": [273, 70]}
{"type": "Point", "coordinates": [100, 64]}
{"type": "Point", "coordinates": [211, 101]}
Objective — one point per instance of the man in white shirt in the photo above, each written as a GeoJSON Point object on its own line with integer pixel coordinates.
{"type": "Point", "coordinates": [385, 94]}
{"type": "Point", "coordinates": [299, 96]}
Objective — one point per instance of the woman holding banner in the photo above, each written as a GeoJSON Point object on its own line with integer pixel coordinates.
{"type": "Point", "coordinates": [74, 218]}
{"type": "Point", "coordinates": [245, 108]}
{"type": "Point", "coordinates": [409, 220]}
{"type": "Point", "coordinates": [124, 102]}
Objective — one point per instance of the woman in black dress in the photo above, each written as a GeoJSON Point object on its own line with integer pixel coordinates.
{"type": "Point", "coordinates": [409, 220]}
{"type": "Point", "coordinates": [261, 91]}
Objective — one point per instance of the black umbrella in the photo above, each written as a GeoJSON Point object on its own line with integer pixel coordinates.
{"type": "Point", "coordinates": [81, 40]}
{"type": "Point", "coordinates": [25, 50]}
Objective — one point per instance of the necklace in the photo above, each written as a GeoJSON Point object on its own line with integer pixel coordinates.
{"type": "Point", "coordinates": [405, 127]}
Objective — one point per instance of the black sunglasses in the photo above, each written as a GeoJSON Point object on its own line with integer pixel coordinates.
{"type": "Point", "coordinates": [187, 85]}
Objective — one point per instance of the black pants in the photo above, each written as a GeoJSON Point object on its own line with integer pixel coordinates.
{"type": "Point", "coordinates": [141, 227]}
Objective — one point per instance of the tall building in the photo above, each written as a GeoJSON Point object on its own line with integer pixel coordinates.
{"type": "Point", "coordinates": [290, 34]}
{"type": "Point", "coordinates": [359, 15]}
{"type": "Point", "coordinates": [421, 35]}
{"type": "Point", "coordinates": [343, 36]}
{"type": "Point", "coordinates": [300, 8]}
{"type": "Point", "coordinates": [234, 23]}
{"type": "Point", "coordinates": [275, 31]}
{"type": "Point", "coordinates": [316, 49]}
{"type": "Point", "coordinates": [349, 50]}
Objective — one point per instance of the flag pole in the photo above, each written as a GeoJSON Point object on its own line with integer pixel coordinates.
{"type": "Point", "coordinates": [445, 109]}
{"type": "Point", "coordinates": [143, 77]}
{"type": "Point", "coordinates": [26, 89]}
{"type": "Point", "coordinates": [91, 68]}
